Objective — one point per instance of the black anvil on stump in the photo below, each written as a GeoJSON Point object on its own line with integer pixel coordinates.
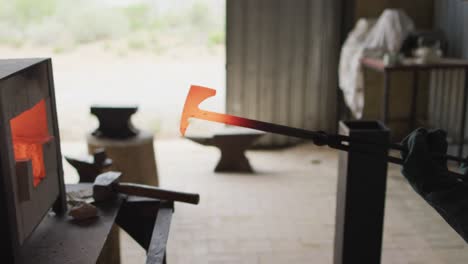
{"type": "Point", "coordinates": [114, 122]}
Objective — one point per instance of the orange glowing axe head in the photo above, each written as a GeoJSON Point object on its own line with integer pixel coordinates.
{"type": "Point", "coordinates": [196, 95]}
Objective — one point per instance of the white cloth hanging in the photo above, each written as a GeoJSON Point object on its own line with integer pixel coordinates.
{"type": "Point", "coordinates": [369, 38]}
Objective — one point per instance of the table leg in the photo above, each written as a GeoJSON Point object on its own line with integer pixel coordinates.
{"type": "Point", "coordinates": [463, 117]}
{"type": "Point", "coordinates": [157, 248]}
{"type": "Point", "coordinates": [414, 100]}
{"type": "Point", "coordinates": [386, 97]}
{"type": "Point", "coordinates": [147, 211]}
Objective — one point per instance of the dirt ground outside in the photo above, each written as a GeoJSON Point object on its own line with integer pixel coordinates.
{"type": "Point", "coordinates": [144, 53]}
{"type": "Point", "coordinates": [157, 84]}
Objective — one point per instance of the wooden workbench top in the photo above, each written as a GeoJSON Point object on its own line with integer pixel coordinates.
{"type": "Point", "coordinates": [59, 239]}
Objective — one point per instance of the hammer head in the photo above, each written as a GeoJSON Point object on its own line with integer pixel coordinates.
{"type": "Point", "coordinates": [103, 185]}
{"type": "Point", "coordinates": [196, 95]}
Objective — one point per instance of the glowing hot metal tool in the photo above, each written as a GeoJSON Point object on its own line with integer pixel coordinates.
{"type": "Point", "coordinates": [198, 94]}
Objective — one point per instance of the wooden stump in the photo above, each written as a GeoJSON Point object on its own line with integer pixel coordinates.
{"type": "Point", "coordinates": [135, 158]}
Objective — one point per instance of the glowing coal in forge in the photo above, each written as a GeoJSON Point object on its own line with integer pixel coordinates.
{"type": "Point", "coordinates": [29, 132]}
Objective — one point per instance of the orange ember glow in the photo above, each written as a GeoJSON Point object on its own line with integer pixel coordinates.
{"type": "Point", "coordinates": [29, 132]}
{"type": "Point", "coordinates": [198, 94]}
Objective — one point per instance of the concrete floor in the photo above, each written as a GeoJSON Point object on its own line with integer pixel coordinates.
{"type": "Point", "coordinates": [284, 213]}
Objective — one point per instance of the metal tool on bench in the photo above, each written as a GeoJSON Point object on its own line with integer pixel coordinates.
{"type": "Point", "coordinates": [90, 166]}
{"type": "Point", "coordinates": [198, 94]}
{"type": "Point", "coordinates": [107, 186]}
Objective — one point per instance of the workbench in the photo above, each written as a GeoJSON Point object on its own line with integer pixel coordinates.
{"type": "Point", "coordinates": [60, 239]}
{"type": "Point", "coordinates": [410, 66]}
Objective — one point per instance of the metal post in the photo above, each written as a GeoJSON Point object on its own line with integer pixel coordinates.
{"type": "Point", "coordinates": [361, 195]}
{"type": "Point", "coordinates": [414, 100]}
{"type": "Point", "coordinates": [463, 117]}
{"type": "Point", "coordinates": [386, 96]}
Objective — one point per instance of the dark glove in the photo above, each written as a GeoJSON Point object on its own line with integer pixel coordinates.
{"type": "Point", "coordinates": [428, 177]}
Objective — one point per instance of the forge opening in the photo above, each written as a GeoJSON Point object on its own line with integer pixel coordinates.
{"type": "Point", "coordinates": [29, 132]}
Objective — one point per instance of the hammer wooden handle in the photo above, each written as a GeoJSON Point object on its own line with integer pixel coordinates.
{"type": "Point", "coordinates": [155, 192]}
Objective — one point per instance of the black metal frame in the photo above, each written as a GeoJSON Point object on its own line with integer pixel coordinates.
{"type": "Point", "coordinates": [415, 90]}
{"type": "Point", "coordinates": [151, 215]}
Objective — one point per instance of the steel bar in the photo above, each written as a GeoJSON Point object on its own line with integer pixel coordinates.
{"type": "Point", "coordinates": [318, 137]}
{"type": "Point", "coordinates": [197, 94]}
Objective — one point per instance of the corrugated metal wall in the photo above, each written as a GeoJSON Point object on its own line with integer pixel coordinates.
{"type": "Point", "coordinates": [282, 62]}
{"type": "Point", "coordinates": [445, 101]}
{"type": "Point", "coordinates": [446, 89]}
{"type": "Point", "coordinates": [451, 16]}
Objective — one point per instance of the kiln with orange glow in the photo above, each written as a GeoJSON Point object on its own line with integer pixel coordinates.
{"type": "Point", "coordinates": [31, 180]}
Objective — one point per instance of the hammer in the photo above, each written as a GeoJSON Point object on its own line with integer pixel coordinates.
{"type": "Point", "coordinates": [198, 94]}
{"type": "Point", "coordinates": [107, 186]}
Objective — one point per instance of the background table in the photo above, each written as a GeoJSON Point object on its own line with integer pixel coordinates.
{"type": "Point", "coordinates": [415, 68]}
